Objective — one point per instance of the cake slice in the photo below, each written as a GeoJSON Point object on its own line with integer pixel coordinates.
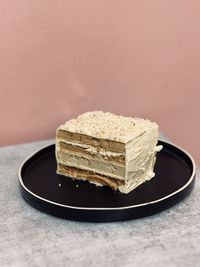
{"type": "Point", "coordinates": [107, 149]}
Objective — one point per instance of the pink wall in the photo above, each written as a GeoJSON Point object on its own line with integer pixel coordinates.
{"type": "Point", "coordinates": [61, 58]}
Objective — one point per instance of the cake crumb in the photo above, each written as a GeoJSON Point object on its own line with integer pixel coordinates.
{"type": "Point", "coordinates": [106, 125]}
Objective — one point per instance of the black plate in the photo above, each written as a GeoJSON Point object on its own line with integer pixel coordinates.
{"type": "Point", "coordinates": [78, 200]}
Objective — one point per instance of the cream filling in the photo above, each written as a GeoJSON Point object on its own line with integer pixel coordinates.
{"type": "Point", "coordinates": [90, 149]}
{"type": "Point", "coordinates": [143, 153]}
{"type": "Point", "coordinates": [133, 150]}
{"type": "Point", "coordinates": [145, 144]}
{"type": "Point", "coordinates": [93, 154]}
{"type": "Point", "coordinates": [108, 169]}
{"type": "Point", "coordinates": [134, 182]}
{"type": "Point", "coordinates": [140, 176]}
{"type": "Point", "coordinates": [100, 167]}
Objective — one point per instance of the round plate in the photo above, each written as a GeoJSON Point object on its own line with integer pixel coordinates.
{"type": "Point", "coordinates": [79, 200]}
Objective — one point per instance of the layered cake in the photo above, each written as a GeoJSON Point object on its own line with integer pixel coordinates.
{"type": "Point", "coordinates": [107, 149]}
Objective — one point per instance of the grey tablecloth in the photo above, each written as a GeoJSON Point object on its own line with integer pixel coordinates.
{"type": "Point", "coordinates": [29, 237]}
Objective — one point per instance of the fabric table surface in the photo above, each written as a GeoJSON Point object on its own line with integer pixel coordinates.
{"type": "Point", "coordinates": [29, 237]}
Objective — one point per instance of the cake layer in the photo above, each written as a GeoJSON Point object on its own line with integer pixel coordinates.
{"type": "Point", "coordinates": [91, 141]}
{"type": "Point", "coordinates": [91, 152]}
{"type": "Point", "coordinates": [108, 169]}
{"type": "Point", "coordinates": [107, 126]}
{"type": "Point", "coordinates": [99, 179]}
{"type": "Point", "coordinates": [138, 153]}
{"type": "Point", "coordinates": [92, 177]}
{"type": "Point", "coordinates": [96, 146]}
{"type": "Point", "coordinates": [81, 162]}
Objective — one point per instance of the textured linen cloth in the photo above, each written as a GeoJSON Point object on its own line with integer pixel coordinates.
{"type": "Point", "coordinates": [29, 237]}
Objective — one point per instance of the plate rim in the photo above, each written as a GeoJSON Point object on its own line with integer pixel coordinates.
{"type": "Point", "coordinates": [107, 208]}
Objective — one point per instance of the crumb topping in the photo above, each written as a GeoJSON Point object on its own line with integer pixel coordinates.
{"type": "Point", "coordinates": [109, 126]}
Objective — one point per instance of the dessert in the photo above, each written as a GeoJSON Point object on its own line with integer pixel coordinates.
{"type": "Point", "coordinates": [107, 149]}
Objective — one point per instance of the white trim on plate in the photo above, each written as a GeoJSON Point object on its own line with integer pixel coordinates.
{"type": "Point", "coordinates": [114, 208]}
